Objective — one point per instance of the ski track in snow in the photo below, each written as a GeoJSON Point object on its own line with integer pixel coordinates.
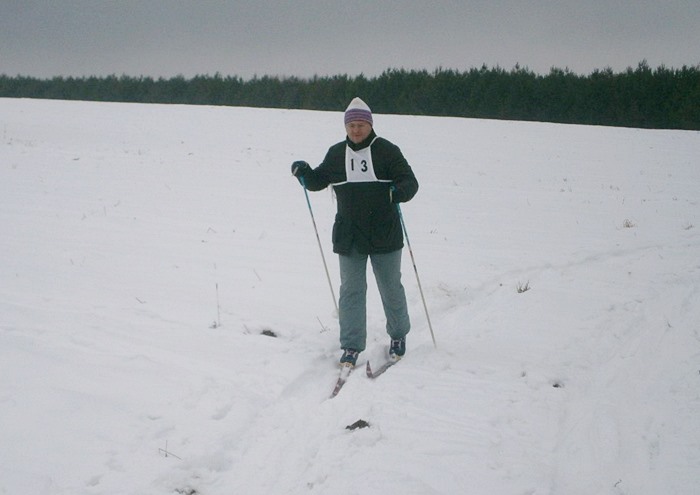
{"type": "Point", "coordinates": [148, 247]}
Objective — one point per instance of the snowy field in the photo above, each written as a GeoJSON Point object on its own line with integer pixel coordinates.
{"type": "Point", "coordinates": [146, 248]}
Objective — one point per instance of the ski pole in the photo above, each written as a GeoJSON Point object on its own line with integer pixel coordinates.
{"type": "Point", "coordinates": [318, 239]}
{"type": "Point", "coordinates": [413, 260]}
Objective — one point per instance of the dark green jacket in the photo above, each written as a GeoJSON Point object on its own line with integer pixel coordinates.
{"type": "Point", "coordinates": [366, 219]}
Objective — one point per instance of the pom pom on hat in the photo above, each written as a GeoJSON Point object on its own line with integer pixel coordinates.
{"type": "Point", "coordinates": [358, 110]}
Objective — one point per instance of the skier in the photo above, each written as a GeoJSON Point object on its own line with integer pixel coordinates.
{"type": "Point", "coordinates": [368, 174]}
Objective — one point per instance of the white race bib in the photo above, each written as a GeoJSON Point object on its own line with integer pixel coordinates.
{"type": "Point", "coordinates": [359, 166]}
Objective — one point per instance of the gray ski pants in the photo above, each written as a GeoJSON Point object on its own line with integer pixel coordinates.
{"type": "Point", "coordinates": [353, 297]}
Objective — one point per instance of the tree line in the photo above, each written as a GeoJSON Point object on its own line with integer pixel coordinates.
{"type": "Point", "coordinates": [637, 97]}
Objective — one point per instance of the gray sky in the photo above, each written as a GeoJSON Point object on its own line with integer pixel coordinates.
{"type": "Point", "coordinates": [314, 37]}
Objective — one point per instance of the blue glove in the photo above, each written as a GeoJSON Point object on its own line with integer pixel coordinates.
{"type": "Point", "coordinates": [300, 168]}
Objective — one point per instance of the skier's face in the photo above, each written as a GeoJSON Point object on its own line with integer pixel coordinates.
{"type": "Point", "coordinates": [358, 130]}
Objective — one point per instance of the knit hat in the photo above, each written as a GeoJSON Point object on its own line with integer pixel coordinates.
{"type": "Point", "coordinates": [358, 110]}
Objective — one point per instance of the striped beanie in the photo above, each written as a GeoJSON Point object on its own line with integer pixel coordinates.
{"type": "Point", "coordinates": [358, 110]}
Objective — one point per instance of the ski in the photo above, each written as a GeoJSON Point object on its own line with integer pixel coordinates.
{"type": "Point", "coordinates": [345, 370]}
{"type": "Point", "coordinates": [375, 373]}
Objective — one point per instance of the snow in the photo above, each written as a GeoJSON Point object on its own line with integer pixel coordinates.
{"type": "Point", "coordinates": [146, 248]}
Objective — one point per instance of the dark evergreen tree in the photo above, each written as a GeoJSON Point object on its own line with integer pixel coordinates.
{"type": "Point", "coordinates": [637, 97]}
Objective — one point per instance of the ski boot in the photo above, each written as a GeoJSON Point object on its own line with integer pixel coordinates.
{"type": "Point", "coordinates": [397, 349]}
{"type": "Point", "coordinates": [349, 358]}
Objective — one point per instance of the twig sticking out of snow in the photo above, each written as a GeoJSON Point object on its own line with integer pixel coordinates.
{"type": "Point", "coordinates": [167, 453]}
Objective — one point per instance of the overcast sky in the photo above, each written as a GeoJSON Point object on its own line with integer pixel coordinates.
{"type": "Point", "coordinates": [316, 37]}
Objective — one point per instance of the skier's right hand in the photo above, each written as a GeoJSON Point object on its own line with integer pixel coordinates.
{"type": "Point", "coordinates": [300, 168]}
